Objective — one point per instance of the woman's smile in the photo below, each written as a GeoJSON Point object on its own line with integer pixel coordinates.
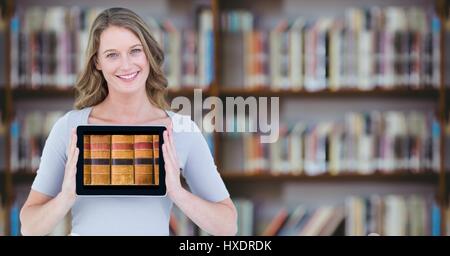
{"type": "Point", "coordinates": [128, 77]}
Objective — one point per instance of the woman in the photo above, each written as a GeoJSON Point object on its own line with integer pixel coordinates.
{"type": "Point", "coordinates": [123, 84]}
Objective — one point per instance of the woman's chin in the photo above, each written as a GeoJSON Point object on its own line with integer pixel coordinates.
{"type": "Point", "coordinates": [130, 90]}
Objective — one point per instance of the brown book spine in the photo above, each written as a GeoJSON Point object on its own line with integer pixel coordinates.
{"type": "Point", "coordinates": [143, 159]}
{"type": "Point", "coordinates": [156, 159]}
{"type": "Point", "coordinates": [100, 159]}
{"type": "Point", "coordinates": [87, 160]}
{"type": "Point", "coordinates": [122, 160]}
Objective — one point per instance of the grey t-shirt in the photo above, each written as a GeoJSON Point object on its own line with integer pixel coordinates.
{"type": "Point", "coordinates": [129, 215]}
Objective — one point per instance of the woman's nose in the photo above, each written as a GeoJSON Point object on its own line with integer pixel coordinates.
{"type": "Point", "coordinates": [126, 62]}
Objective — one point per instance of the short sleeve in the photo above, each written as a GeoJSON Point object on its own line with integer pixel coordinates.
{"type": "Point", "coordinates": [50, 174]}
{"type": "Point", "coordinates": [201, 172]}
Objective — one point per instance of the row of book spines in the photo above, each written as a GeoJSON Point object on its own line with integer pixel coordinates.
{"type": "Point", "coordinates": [307, 221]}
{"type": "Point", "coordinates": [393, 215]}
{"type": "Point", "coordinates": [341, 54]}
{"type": "Point", "coordinates": [368, 18]}
{"type": "Point", "coordinates": [127, 175]}
{"type": "Point", "coordinates": [365, 142]}
{"type": "Point", "coordinates": [281, 64]}
{"type": "Point", "coordinates": [53, 69]}
{"type": "Point", "coordinates": [121, 159]}
{"type": "Point", "coordinates": [289, 156]}
{"type": "Point", "coordinates": [44, 64]}
{"type": "Point", "coordinates": [49, 54]}
{"type": "Point", "coordinates": [389, 214]}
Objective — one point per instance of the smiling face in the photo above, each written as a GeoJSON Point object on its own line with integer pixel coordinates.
{"type": "Point", "coordinates": [122, 60]}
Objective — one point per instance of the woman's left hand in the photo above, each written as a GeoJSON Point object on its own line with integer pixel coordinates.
{"type": "Point", "coordinates": [171, 164]}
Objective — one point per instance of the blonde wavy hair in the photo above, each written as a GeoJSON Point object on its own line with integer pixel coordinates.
{"type": "Point", "coordinates": [91, 87]}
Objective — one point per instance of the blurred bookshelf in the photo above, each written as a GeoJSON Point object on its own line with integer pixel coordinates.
{"type": "Point", "coordinates": [398, 176]}
{"type": "Point", "coordinates": [252, 50]}
{"type": "Point", "coordinates": [426, 93]}
{"type": "Point", "coordinates": [27, 176]}
{"type": "Point", "coordinates": [49, 91]}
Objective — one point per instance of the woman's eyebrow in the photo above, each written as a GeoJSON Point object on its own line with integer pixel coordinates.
{"type": "Point", "coordinates": [109, 50]}
{"type": "Point", "coordinates": [135, 45]}
{"type": "Point", "coordinates": [113, 50]}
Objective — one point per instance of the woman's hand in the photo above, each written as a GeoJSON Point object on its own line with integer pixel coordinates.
{"type": "Point", "coordinates": [171, 165]}
{"type": "Point", "coordinates": [68, 190]}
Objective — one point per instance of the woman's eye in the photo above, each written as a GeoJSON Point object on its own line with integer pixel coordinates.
{"type": "Point", "coordinates": [135, 51]}
{"type": "Point", "coordinates": [112, 55]}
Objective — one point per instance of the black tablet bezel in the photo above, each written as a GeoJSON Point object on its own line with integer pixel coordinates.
{"type": "Point", "coordinates": [120, 190]}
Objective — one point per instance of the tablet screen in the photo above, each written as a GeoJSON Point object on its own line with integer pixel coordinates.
{"type": "Point", "coordinates": [120, 160]}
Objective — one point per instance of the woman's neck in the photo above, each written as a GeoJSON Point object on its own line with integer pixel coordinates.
{"type": "Point", "coordinates": [127, 109]}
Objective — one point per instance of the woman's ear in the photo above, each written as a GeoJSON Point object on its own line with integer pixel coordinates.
{"type": "Point", "coordinates": [97, 65]}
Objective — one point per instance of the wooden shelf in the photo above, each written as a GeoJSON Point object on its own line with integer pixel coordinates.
{"type": "Point", "coordinates": [188, 91]}
{"type": "Point", "coordinates": [61, 92]}
{"type": "Point", "coordinates": [19, 176]}
{"type": "Point", "coordinates": [424, 177]}
{"type": "Point", "coordinates": [238, 176]}
{"type": "Point", "coordinates": [23, 92]}
{"type": "Point", "coordinates": [43, 92]}
{"type": "Point", "coordinates": [395, 92]}
{"type": "Point", "coordinates": [23, 177]}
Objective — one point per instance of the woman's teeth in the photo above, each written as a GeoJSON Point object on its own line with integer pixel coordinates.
{"type": "Point", "coordinates": [130, 76]}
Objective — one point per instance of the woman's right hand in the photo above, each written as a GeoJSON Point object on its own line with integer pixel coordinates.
{"type": "Point", "coordinates": [68, 190]}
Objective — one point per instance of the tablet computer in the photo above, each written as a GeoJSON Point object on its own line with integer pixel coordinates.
{"type": "Point", "coordinates": [120, 160]}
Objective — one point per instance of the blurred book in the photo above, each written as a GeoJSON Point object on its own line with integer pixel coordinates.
{"type": "Point", "coordinates": [392, 215]}
{"type": "Point", "coordinates": [363, 143]}
{"type": "Point", "coordinates": [245, 211]}
{"type": "Point", "coordinates": [2, 216]}
{"type": "Point", "coordinates": [51, 42]}
{"type": "Point", "coordinates": [3, 130]}
{"type": "Point", "coordinates": [362, 49]}
{"type": "Point", "coordinates": [3, 59]}
{"type": "Point", "coordinates": [29, 132]}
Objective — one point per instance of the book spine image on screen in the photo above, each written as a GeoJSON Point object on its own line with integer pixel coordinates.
{"type": "Point", "coordinates": [122, 154]}
{"type": "Point", "coordinates": [100, 146]}
{"type": "Point", "coordinates": [143, 159]}
{"type": "Point", "coordinates": [87, 158]}
{"type": "Point", "coordinates": [156, 159]}
{"type": "Point", "coordinates": [121, 160]}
